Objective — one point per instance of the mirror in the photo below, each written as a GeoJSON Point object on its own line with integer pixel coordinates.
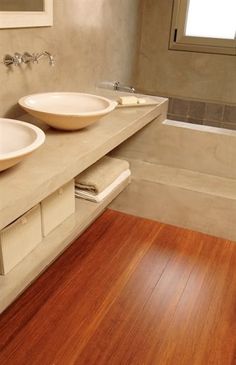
{"type": "Point", "coordinates": [26, 13]}
{"type": "Point", "coordinates": [23, 5]}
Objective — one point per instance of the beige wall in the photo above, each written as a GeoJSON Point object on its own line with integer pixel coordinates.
{"type": "Point", "coordinates": [175, 73]}
{"type": "Point", "coordinates": [92, 41]}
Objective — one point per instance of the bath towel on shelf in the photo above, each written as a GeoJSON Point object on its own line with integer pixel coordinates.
{"type": "Point", "coordinates": [98, 181]}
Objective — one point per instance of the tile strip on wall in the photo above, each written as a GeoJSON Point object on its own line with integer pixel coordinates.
{"type": "Point", "coordinates": [198, 112]}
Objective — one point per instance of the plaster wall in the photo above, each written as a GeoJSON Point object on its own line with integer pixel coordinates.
{"type": "Point", "coordinates": [164, 72]}
{"type": "Point", "coordinates": [91, 40]}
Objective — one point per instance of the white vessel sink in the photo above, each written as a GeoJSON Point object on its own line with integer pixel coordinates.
{"type": "Point", "coordinates": [66, 110]}
{"type": "Point", "coordinates": [17, 140]}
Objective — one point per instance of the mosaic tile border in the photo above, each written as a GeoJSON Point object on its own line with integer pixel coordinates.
{"type": "Point", "coordinates": [198, 112]}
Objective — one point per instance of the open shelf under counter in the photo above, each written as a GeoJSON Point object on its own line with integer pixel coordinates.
{"type": "Point", "coordinates": [18, 279]}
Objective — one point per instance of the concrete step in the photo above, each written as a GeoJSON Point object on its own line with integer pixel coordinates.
{"type": "Point", "coordinates": [188, 146]}
{"type": "Point", "coordinates": [181, 197]}
{"type": "Point", "coordinates": [184, 179]}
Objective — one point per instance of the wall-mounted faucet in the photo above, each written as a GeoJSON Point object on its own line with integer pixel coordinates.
{"type": "Point", "coordinates": [116, 85]}
{"type": "Point", "coordinates": [121, 87]}
{"type": "Point", "coordinates": [27, 58]}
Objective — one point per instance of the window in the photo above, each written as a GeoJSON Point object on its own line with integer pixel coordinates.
{"type": "Point", "coordinates": [204, 26]}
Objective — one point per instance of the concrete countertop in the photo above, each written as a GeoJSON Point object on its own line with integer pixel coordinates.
{"type": "Point", "coordinates": [64, 155]}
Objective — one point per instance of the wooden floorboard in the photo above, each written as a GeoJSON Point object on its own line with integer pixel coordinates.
{"type": "Point", "coordinates": [128, 291]}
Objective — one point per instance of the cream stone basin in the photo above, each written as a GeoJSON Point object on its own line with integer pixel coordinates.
{"type": "Point", "coordinates": [17, 141]}
{"type": "Point", "coordinates": [67, 110]}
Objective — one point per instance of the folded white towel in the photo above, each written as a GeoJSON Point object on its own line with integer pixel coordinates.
{"type": "Point", "coordinates": [101, 174]}
{"type": "Point", "coordinates": [97, 198]}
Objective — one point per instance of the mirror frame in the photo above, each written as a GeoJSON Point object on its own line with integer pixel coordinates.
{"type": "Point", "coordinates": [24, 19]}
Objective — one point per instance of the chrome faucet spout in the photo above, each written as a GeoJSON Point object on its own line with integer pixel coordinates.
{"type": "Point", "coordinates": [117, 86]}
{"type": "Point", "coordinates": [51, 58]}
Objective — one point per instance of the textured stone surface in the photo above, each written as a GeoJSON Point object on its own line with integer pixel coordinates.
{"type": "Point", "coordinates": [230, 114]}
{"type": "Point", "coordinates": [196, 110]}
{"type": "Point", "coordinates": [214, 112]}
{"type": "Point", "coordinates": [183, 145]}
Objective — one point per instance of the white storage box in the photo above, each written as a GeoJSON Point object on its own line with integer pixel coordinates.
{"type": "Point", "coordinates": [57, 207]}
{"type": "Point", "coordinates": [19, 238]}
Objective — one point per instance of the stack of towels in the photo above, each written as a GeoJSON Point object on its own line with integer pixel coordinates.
{"type": "Point", "coordinates": [101, 179]}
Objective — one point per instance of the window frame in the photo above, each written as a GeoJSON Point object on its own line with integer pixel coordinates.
{"type": "Point", "coordinates": [179, 41]}
{"type": "Point", "coordinates": [24, 19]}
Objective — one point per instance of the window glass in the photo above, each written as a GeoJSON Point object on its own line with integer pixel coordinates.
{"type": "Point", "coordinates": [211, 19]}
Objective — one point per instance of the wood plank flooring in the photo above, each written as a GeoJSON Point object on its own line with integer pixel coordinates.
{"type": "Point", "coordinates": [128, 291]}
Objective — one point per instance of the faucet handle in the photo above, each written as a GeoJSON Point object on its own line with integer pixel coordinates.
{"type": "Point", "coordinates": [27, 57]}
{"type": "Point", "coordinates": [10, 60]}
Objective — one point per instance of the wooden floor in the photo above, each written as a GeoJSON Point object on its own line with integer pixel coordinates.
{"type": "Point", "coordinates": [129, 291]}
